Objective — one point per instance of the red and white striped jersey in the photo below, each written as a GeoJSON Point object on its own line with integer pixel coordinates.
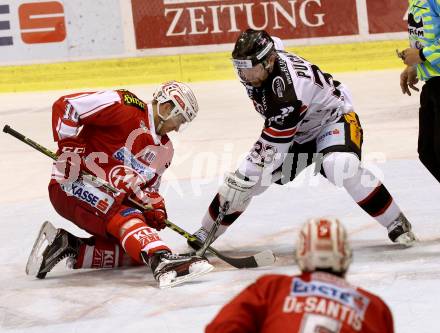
{"type": "Point", "coordinates": [296, 101]}
{"type": "Point", "coordinates": [122, 146]}
{"type": "Point", "coordinates": [310, 302]}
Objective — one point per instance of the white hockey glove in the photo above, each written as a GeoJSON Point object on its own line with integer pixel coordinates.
{"type": "Point", "coordinates": [236, 189]}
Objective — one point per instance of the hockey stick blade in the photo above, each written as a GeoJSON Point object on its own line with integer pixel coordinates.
{"type": "Point", "coordinates": [264, 258]}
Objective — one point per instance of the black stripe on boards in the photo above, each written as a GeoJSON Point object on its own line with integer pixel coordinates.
{"type": "Point", "coordinates": [5, 25]}
{"type": "Point", "coordinates": [377, 202]}
{"type": "Point", "coordinates": [4, 41]}
{"type": "Point", "coordinates": [4, 9]}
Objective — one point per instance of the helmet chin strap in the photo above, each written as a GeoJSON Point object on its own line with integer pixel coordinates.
{"type": "Point", "coordinates": [159, 126]}
{"type": "Point", "coordinates": [161, 120]}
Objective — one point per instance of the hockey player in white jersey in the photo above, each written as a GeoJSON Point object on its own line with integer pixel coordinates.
{"type": "Point", "coordinates": [308, 117]}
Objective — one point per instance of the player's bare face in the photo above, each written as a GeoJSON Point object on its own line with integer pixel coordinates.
{"type": "Point", "coordinates": [167, 118]}
{"type": "Point", "coordinates": [172, 124]}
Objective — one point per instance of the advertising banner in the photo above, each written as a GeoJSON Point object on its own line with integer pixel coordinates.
{"type": "Point", "coordinates": [36, 31]}
{"type": "Point", "coordinates": [387, 16]}
{"type": "Point", "coordinates": [171, 23]}
{"type": "Point", "coordinates": [32, 30]}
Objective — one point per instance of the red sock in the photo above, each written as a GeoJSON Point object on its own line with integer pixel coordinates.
{"type": "Point", "coordinates": [139, 238]}
{"type": "Point", "coordinates": [129, 227]}
{"type": "Point", "coordinates": [102, 253]}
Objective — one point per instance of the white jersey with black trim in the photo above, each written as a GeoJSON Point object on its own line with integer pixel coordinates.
{"type": "Point", "coordinates": [296, 101]}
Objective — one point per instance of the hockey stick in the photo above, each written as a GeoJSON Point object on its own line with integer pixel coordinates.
{"type": "Point", "coordinates": [209, 239]}
{"type": "Point", "coordinates": [264, 258]}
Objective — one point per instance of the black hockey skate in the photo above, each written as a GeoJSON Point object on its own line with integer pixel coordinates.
{"type": "Point", "coordinates": [173, 269]}
{"type": "Point", "coordinates": [52, 246]}
{"type": "Point", "coordinates": [399, 231]}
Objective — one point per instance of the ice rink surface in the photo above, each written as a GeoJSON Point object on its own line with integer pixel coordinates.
{"type": "Point", "coordinates": [127, 300]}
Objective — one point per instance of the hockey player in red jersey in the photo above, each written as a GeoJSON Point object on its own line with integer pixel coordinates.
{"type": "Point", "coordinates": [117, 137]}
{"type": "Point", "coordinates": [309, 117]}
{"type": "Point", "coordinates": [317, 300]}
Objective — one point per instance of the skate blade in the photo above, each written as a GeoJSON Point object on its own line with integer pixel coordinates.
{"type": "Point", "coordinates": [170, 279]}
{"type": "Point", "coordinates": [45, 238]}
{"type": "Point", "coordinates": [406, 239]}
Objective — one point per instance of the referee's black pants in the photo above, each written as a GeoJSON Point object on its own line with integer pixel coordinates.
{"type": "Point", "coordinates": [429, 126]}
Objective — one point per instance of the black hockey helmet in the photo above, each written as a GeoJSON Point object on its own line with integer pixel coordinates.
{"type": "Point", "coordinates": [253, 45]}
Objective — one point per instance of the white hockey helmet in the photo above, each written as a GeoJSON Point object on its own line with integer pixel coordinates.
{"type": "Point", "coordinates": [323, 245]}
{"type": "Point", "coordinates": [182, 97]}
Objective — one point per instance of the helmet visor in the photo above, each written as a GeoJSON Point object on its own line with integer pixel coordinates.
{"type": "Point", "coordinates": [246, 72]}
